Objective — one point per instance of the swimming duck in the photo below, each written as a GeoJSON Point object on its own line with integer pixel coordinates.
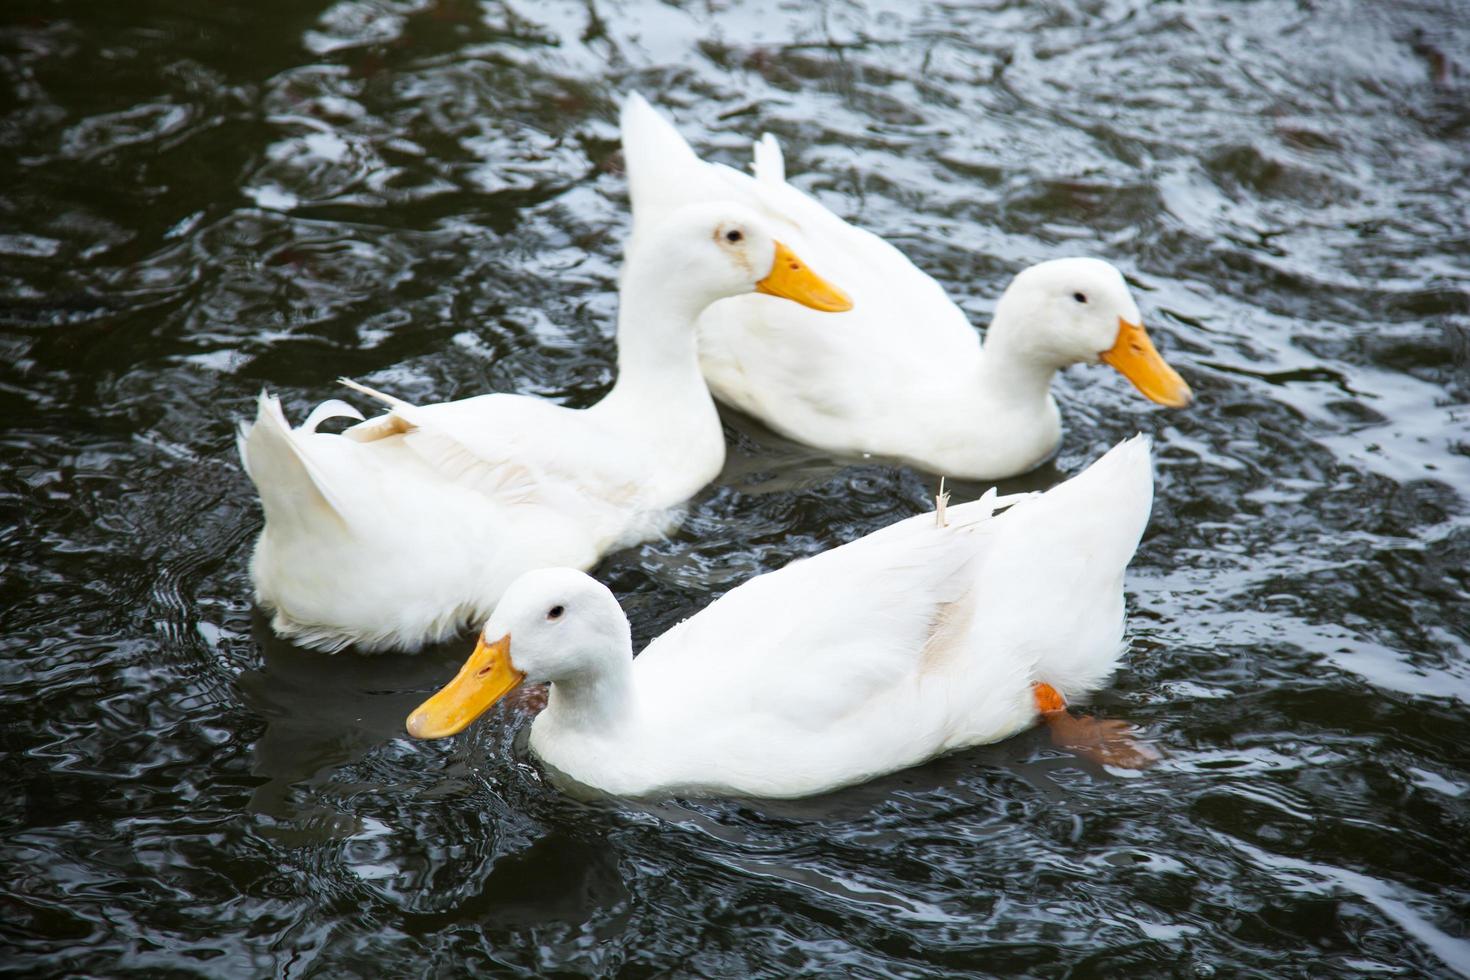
{"type": "Point", "coordinates": [407, 527]}
{"type": "Point", "coordinates": [906, 377]}
{"type": "Point", "coordinates": [946, 630]}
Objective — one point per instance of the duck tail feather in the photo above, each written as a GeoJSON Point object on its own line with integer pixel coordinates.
{"type": "Point", "coordinates": [769, 164]}
{"type": "Point", "coordinates": [242, 439]}
{"type": "Point", "coordinates": [658, 159]}
{"type": "Point", "coordinates": [1108, 503]}
{"type": "Point", "coordinates": [390, 400]}
{"type": "Point", "coordinates": [292, 487]}
{"type": "Point", "coordinates": [332, 408]}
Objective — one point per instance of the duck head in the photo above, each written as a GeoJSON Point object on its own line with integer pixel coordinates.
{"type": "Point", "coordinates": [716, 250]}
{"type": "Point", "coordinates": [1072, 311]}
{"type": "Point", "coordinates": [552, 625]}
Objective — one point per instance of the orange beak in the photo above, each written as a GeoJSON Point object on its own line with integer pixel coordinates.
{"type": "Point", "coordinates": [1136, 359]}
{"type": "Point", "coordinates": [484, 679]}
{"type": "Point", "coordinates": [790, 278]}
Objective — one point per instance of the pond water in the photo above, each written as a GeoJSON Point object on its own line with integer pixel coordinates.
{"type": "Point", "coordinates": [198, 201]}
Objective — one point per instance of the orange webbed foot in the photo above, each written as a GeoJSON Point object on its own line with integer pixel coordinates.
{"type": "Point", "coordinates": [1108, 742]}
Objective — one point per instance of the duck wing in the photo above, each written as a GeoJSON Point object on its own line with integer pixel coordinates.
{"type": "Point", "coordinates": [514, 450]}
{"type": "Point", "coordinates": [818, 641]}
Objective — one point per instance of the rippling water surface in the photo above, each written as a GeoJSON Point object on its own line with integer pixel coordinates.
{"type": "Point", "coordinates": [197, 201]}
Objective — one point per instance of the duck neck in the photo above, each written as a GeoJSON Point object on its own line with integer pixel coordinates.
{"type": "Point", "coordinates": [1013, 372]}
{"type": "Point", "coordinates": [658, 359]}
{"type": "Point", "coordinates": [598, 701]}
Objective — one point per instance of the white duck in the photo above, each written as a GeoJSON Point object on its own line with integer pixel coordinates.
{"type": "Point", "coordinates": [406, 528]}
{"type": "Point", "coordinates": [906, 376]}
{"type": "Point", "coordinates": [915, 640]}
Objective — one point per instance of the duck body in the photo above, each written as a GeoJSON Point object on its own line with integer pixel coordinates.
{"type": "Point", "coordinates": [904, 375]}
{"type": "Point", "coordinates": [410, 534]}
{"type": "Point", "coordinates": [874, 656]}
{"type": "Point", "coordinates": [407, 527]}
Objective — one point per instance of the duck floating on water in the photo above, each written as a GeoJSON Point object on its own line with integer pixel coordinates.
{"type": "Point", "coordinates": [939, 632]}
{"type": "Point", "coordinates": [907, 376]}
{"type": "Point", "coordinates": [407, 528]}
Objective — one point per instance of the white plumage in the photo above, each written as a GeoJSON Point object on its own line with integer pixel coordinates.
{"type": "Point", "coordinates": [407, 527]}
{"type": "Point", "coordinates": [876, 655]}
{"type": "Point", "coordinates": [905, 376]}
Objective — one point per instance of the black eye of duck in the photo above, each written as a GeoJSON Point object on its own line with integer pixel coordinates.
{"type": "Point", "coordinates": [1080, 297]}
{"type": "Point", "coordinates": [733, 236]}
{"type": "Point", "coordinates": [554, 613]}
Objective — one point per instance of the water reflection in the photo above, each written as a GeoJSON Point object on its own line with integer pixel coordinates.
{"type": "Point", "coordinates": [558, 878]}
{"type": "Point", "coordinates": [323, 712]}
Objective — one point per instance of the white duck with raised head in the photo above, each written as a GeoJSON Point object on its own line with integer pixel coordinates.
{"type": "Point", "coordinates": [407, 527]}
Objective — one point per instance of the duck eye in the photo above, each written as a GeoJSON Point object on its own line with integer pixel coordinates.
{"type": "Point", "coordinates": [1080, 297]}
{"type": "Point", "coordinates": [734, 235]}
{"type": "Point", "coordinates": [554, 613]}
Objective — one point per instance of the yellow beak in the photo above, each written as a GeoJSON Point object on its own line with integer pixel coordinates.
{"type": "Point", "coordinates": [484, 679]}
{"type": "Point", "coordinates": [791, 279]}
{"type": "Point", "coordinates": [1137, 360]}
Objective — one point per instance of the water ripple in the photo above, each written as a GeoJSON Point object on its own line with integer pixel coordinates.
{"type": "Point", "coordinates": [427, 194]}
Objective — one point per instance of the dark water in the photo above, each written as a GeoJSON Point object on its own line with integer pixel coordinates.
{"type": "Point", "coordinates": [198, 200]}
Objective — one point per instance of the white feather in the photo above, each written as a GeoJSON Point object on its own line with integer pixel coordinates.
{"type": "Point", "coordinates": [409, 525]}
{"type": "Point", "coordinates": [944, 403]}
{"type": "Point", "coordinates": [876, 655]}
